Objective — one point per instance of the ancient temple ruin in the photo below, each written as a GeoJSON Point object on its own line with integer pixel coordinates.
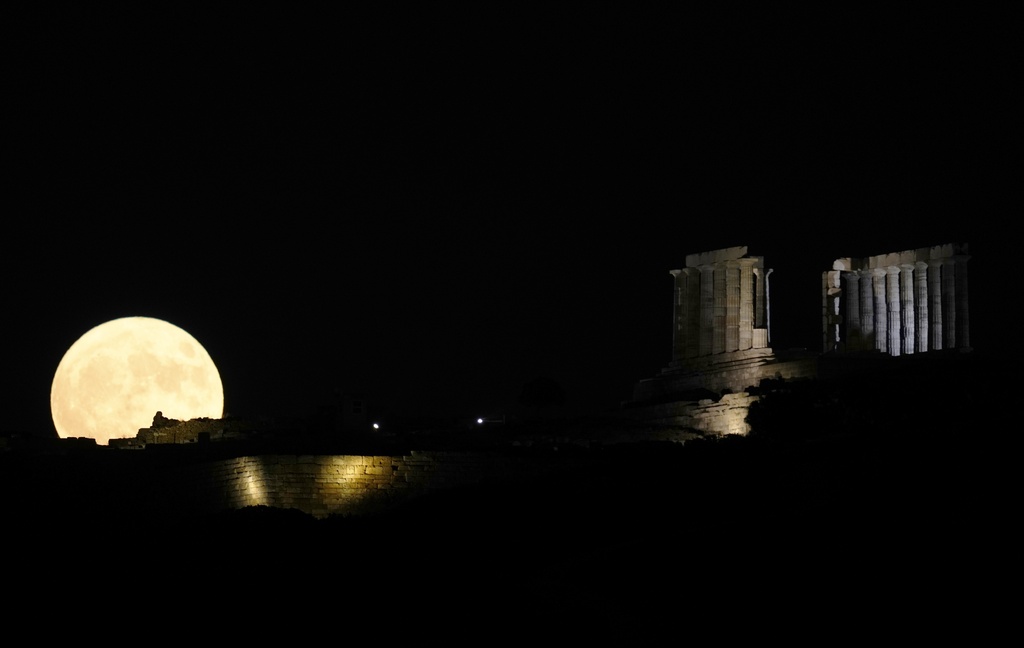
{"type": "Point", "coordinates": [720, 345]}
{"type": "Point", "coordinates": [720, 306]}
{"type": "Point", "coordinates": [899, 303]}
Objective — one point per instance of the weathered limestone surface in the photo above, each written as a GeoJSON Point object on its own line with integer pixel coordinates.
{"type": "Point", "coordinates": [722, 416]}
{"type": "Point", "coordinates": [136, 487]}
{"type": "Point", "coordinates": [720, 305]}
{"type": "Point", "coordinates": [735, 374]}
{"type": "Point", "coordinates": [324, 485]}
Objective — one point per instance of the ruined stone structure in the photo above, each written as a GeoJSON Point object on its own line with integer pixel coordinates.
{"type": "Point", "coordinates": [720, 306]}
{"type": "Point", "coordinates": [898, 303]}
{"type": "Point", "coordinates": [720, 346]}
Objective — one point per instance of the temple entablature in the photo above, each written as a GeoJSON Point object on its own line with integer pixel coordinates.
{"type": "Point", "coordinates": [904, 257]}
{"type": "Point", "coordinates": [715, 256]}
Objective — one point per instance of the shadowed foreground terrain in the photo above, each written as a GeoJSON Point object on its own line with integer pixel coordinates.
{"type": "Point", "coordinates": [854, 526]}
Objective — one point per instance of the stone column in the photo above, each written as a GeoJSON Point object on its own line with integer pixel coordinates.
{"type": "Point", "coordinates": [908, 323]}
{"type": "Point", "coordinates": [963, 320]}
{"type": "Point", "coordinates": [732, 305]}
{"type": "Point", "coordinates": [831, 295]}
{"type": "Point", "coordinates": [867, 310]}
{"type": "Point", "coordinates": [893, 319]}
{"type": "Point", "coordinates": [921, 300]}
{"type": "Point", "coordinates": [851, 296]}
{"type": "Point", "coordinates": [678, 314]}
{"type": "Point", "coordinates": [762, 314]}
{"type": "Point", "coordinates": [693, 320]}
{"type": "Point", "coordinates": [746, 304]}
{"type": "Point", "coordinates": [718, 327]}
{"type": "Point", "coordinates": [881, 313]}
{"type": "Point", "coordinates": [935, 302]}
{"type": "Point", "coordinates": [949, 270]}
{"type": "Point", "coordinates": [707, 309]}
{"type": "Point", "coordinates": [759, 309]}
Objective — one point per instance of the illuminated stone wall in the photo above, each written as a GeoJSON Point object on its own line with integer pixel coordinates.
{"type": "Point", "coordinates": [170, 486]}
{"type": "Point", "coordinates": [325, 485]}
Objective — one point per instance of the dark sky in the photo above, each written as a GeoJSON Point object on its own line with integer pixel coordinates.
{"type": "Point", "coordinates": [435, 209]}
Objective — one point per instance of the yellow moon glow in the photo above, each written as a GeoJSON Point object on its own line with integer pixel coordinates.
{"type": "Point", "coordinates": [115, 378]}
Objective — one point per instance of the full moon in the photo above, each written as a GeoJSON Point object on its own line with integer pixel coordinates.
{"type": "Point", "coordinates": [117, 376]}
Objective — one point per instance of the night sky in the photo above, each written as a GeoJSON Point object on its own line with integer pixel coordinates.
{"type": "Point", "coordinates": [434, 210]}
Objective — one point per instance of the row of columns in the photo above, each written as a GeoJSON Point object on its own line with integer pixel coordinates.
{"type": "Point", "coordinates": [909, 307]}
{"type": "Point", "coordinates": [720, 307]}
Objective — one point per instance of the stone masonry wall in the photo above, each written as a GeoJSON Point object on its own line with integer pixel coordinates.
{"type": "Point", "coordinates": [167, 486]}
{"type": "Point", "coordinates": [325, 485]}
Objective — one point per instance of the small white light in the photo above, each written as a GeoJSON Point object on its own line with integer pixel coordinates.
{"type": "Point", "coordinates": [480, 421]}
